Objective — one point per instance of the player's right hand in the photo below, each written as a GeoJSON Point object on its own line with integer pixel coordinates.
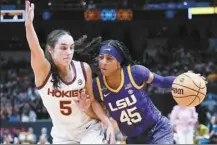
{"type": "Point", "coordinates": [199, 76]}
{"type": "Point", "coordinates": [83, 102]}
{"type": "Point", "coordinates": [29, 13]}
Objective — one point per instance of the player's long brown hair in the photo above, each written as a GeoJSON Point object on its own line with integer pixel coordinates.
{"type": "Point", "coordinates": [51, 42]}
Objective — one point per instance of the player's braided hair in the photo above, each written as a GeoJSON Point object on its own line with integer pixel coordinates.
{"type": "Point", "coordinates": [51, 41]}
{"type": "Point", "coordinates": [82, 46]}
{"type": "Point", "coordinates": [91, 49]}
{"type": "Point", "coordinates": [87, 51]}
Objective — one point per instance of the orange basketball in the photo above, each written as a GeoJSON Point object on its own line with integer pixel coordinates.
{"type": "Point", "coordinates": [189, 89]}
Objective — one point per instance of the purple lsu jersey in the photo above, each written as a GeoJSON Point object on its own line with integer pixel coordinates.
{"type": "Point", "coordinates": [129, 105]}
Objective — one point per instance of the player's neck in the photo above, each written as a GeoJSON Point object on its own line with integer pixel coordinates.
{"type": "Point", "coordinates": [114, 80]}
{"type": "Point", "coordinates": [63, 70]}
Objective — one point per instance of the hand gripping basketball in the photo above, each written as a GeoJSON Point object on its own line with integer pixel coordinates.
{"type": "Point", "coordinates": [189, 89]}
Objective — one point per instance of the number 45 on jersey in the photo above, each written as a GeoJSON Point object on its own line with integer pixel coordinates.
{"type": "Point", "coordinates": [130, 115]}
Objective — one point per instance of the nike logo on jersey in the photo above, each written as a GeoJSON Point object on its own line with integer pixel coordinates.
{"type": "Point", "coordinates": [105, 95]}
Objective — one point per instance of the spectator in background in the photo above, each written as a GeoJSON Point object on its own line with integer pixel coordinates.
{"type": "Point", "coordinates": [183, 120]}
{"type": "Point", "coordinates": [213, 139]}
{"type": "Point", "coordinates": [44, 131]}
{"type": "Point", "coordinates": [210, 103]}
{"type": "Point", "coordinates": [201, 134]}
{"type": "Point", "coordinates": [13, 115]}
{"type": "Point", "coordinates": [214, 125]}
{"type": "Point", "coordinates": [212, 41]}
{"type": "Point", "coordinates": [28, 115]}
{"type": "Point", "coordinates": [7, 137]}
{"type": "Point", "coordinates": [43, 140]}
{"type": "Point", "coordinates": [16, 133]}
{"type": "Point", "coordinates": [1, 138]}
{"type": "Point", "coordinates": [26, 138]}
{"type": "Point", "coordinates": [31, 131]}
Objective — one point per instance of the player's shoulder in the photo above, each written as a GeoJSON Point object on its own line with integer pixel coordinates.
{"type": "Point", "coordinates": [77, 62]}
{"type": "Point", "coordinates": [138, 68]}
{"type": "Point", "coordinates": [84, 64]}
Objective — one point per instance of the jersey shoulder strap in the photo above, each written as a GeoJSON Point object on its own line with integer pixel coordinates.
{"type": "Point", "coordinates": [99, 88]}
{"type": "Point", "coordinates": [132, 80]}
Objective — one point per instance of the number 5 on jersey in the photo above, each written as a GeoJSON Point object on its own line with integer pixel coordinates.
{"type": "Point", "coordinates": [65, 108]}
{"type": "Point", "coordinates": [130, 116]}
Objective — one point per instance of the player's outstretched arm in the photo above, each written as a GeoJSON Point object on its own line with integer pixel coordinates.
{"type": "Point", "coordinates": [142, 74]}
{"type": "Point", "coordinates": [39, 63]}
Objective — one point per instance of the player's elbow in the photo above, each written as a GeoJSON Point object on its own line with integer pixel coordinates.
{"type": "Point", "coordinates": [163, 82]}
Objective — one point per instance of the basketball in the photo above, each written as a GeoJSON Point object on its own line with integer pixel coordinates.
{"type": "Point", "coordinates": [189, 89]}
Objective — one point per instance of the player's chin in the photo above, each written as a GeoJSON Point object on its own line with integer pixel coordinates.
{"type": "Point", "coordinates": [104, 72]}
{"type": "Point", "coordinates": [67, 61]}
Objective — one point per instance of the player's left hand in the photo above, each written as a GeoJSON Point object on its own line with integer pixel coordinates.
{"type": "Point", "coordinates": [110, 133]}
{"type": "Point", "coordinates": [83, 101]}
{"type": "Point", "coordinates": [29, 13]}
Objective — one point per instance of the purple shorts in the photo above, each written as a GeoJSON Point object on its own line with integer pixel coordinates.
{"type": "Point", "coordinates": [160, 133]}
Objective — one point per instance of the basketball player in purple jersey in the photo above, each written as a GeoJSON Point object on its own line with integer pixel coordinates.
{"type": "Point", "coordinates": [120, 87]}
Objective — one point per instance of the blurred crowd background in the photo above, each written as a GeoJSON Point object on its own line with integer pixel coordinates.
{"type": "Point", "coordinates": [165, 45]}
